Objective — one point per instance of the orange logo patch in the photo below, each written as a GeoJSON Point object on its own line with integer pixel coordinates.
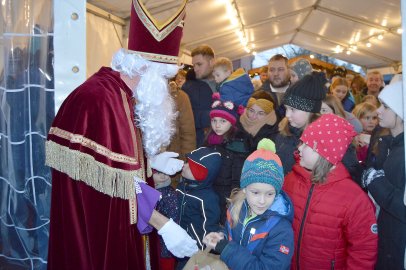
{"type": "Point", "coordinates": [284, 249]}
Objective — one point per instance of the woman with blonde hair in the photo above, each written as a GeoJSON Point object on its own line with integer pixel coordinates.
{"type": "Point", "coordinates": [332, 104]}
{"type": "Point", "coordinates": [340, 89]}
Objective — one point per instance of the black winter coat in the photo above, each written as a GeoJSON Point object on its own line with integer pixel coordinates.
{"type": "Point", "coordinates": [388, 193]}
{"type": "Point", "coordinates": [377, 159]}
{"type": "Point", "coordinates": [199, 93]}
{"type": "Point", "coordinates": [251, 142]}
{"type": "Point", "coordinates": [233, 155]}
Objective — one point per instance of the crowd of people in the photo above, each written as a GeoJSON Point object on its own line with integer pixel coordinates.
{"type": "Point", "coordinates": [298, 172]}
{"type": "Point", "coordinates": [334, 140]}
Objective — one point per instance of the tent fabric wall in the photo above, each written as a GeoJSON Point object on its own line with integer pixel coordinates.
{"type": "Point", "coordinates": [103, 39]}
{"type": "Point", "coordinates": [26, 112]}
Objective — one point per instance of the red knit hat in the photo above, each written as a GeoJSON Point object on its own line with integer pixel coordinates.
{"type": "Point", "coordinates": [330, 136]}
{"type": "Point", "coordinates": [154, 40]}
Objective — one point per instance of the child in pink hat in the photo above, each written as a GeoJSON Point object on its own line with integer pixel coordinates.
{"type": "Point", "coordinates": [334, 223]}
{"type": "Point", "coordinates": [221, 137]}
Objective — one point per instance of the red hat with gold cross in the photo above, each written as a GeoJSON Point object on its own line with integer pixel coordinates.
{"type": "Point", "coordinates": [155, 40]}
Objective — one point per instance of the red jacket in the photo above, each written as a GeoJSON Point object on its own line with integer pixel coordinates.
{"type": "Point", "coordinates": [334, 223]}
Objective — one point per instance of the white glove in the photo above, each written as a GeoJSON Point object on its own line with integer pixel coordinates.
{"type": "Point", "coordinates": [177, 240]}
{"type": "Point", "coordinates": [167, 163]}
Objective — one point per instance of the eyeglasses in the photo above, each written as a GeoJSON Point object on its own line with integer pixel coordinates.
{"type": "Point", "coordinates": [257, 113]}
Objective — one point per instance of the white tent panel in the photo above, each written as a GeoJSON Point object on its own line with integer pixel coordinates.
{"type": "Point", "coordinates": [104, 39]}
{"type": "Point", "coordinates": [390, 46]}
{"type": "Point", "coordinates": [374, 11]}
{"type": "Point", "coordinates": [337, 28]}
{"type": "Point", "coordinates": [217, 24]}
{"type": "Point", "coordinates": [253, 12]}
{"type": "Point", "coordinates": [318, 25]}
{"type": "Point", "coordinates": [322, 46]}
{"type": "Point", "coordinates": [120, 8]}
{"type": "Point", "coordinates": [269, 29]}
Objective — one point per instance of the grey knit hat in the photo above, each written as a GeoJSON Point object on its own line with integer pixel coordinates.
{"type": "Point", "coordinates": [301, 67]}
{"type": "Point", "coordinates": [307, 94]}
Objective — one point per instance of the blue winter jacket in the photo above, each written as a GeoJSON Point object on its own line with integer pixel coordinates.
{"type": "Point", "coordinates": [237, 88]}
{"type": "Point", "coordinates": [273, 250]}
{"type": "Point", "coordinates": [199, 207]}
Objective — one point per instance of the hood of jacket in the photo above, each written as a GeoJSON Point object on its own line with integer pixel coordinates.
{"type": "Point", "coordinates": [282, 206]}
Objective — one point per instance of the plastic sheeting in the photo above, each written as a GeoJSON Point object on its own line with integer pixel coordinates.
{"type": "Point", "coordinates": [26, 112]}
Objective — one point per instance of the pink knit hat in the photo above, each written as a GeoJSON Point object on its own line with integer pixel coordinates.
{"type": "Point", "coordinates": [330, 136]}
{"type": "Point", "coordinates": [224, 109]}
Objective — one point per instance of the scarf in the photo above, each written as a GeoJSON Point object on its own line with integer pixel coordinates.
{"type": "Point", "coordinates": [252, 127]}
{"type": "Point", "coordinates": [214, 139]}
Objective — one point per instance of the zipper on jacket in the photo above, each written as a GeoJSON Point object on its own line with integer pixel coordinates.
{"type": "Point", "coordinates": [244, 228]}
{"type": "Point", "coordinates": [299, 239]}
{"type": "Point", "coordinates": [333, 262]}
{"type": "Point", "coordinates": [182, 205]}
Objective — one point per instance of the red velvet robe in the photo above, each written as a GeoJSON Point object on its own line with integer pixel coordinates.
{"type": "Point", "coordinates": [95, 150]}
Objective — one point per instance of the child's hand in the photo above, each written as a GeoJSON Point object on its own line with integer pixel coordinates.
{"type": "Point", "coordinates": [360, 140]}
{"type": "Point", "coordinates": [160, 177]}
{"type": "Point", "coordinates": [211, 239]}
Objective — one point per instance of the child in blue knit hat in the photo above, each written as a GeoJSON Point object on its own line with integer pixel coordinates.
{"type": "Point", "coordinates": [197, 200]}
{"type": "Point", "coordinates": [258, 233]}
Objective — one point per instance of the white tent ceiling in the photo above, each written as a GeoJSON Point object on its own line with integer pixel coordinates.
{"type": "Point", "coordinates": [316, 25]}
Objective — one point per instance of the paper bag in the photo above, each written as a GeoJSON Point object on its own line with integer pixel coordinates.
{"type": "Point", "coordinates": [205, 260]}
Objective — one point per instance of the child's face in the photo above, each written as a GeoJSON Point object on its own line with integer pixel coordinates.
{"type": "Point", "coordinates": [186, 172]}
{"type": "Point", "coordinates": [325, 108]}
{"type": "Point", "coordinates": [296, 118]}
{"type": "Point", "coordinates": [180, 80]}
{"type": "Point", "coordinates": [387, 117]}
{"type": "Point", "coordinates": [308, 157]}
{"type": "Point", "coordinates": [260, 197]}
{"type": "Point", "coordinates": [369, 121]}
{"type": "Point", "coordinates": [220, 125]}
{"type": "Point", "coordinates": [160, 177]}
{"type": "Point", "coordinates": [220, 74]}
{"type": "Point", "coordinates": [340, 91]}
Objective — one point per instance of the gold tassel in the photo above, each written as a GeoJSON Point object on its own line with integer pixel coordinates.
{"type": "Point", "coordinates": [83, 167]}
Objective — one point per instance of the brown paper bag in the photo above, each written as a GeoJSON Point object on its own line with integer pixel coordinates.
{"type": "Point", "coordinates": [205, 259]}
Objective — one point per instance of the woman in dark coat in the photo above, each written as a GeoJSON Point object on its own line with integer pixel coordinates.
{"type": "Point", "coordinates": [387, 185]}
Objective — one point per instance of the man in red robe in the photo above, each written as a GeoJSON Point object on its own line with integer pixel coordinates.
{"type": "Point", "coordinates": [101, 147]}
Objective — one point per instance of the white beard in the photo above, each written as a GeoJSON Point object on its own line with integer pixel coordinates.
{"type": "Point", "coordinates": [155, 109]}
